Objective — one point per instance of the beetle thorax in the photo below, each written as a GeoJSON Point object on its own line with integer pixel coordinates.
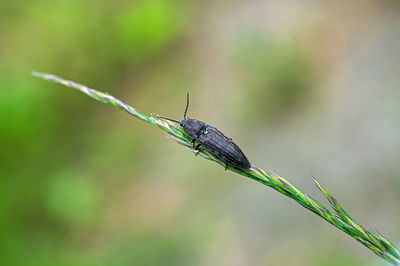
{"type": "Point", "coordinates": [193, 127]}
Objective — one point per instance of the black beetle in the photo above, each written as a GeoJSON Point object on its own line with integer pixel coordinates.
{"type": "Point", "coordinates": [213, 140]}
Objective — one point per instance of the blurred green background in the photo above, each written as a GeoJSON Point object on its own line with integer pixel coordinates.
{"type": "Point", "coordinates": [306, 88]}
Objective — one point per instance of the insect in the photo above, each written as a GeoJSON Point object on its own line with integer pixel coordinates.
{"type": "Point", "coordinates": [213, 140]}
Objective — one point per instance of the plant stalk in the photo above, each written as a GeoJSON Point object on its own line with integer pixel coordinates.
{"type": "Point", "coordinates": [339, 218]}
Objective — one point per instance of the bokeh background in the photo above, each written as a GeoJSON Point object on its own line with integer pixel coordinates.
{"type": "Point", "coordinates": [306, 88]}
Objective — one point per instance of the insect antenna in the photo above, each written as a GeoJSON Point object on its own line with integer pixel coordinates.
{"type": "Point", "coordinates": [166, 118]}
{"type": "Point", "coordinates": [187, 104]}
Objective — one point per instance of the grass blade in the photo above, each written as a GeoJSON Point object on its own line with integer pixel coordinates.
{"type": "Point", "coordinates": [341, 219]}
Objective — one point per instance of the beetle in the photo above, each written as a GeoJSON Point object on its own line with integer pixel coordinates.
{"type": "Point", "coordinates": [213, 140]}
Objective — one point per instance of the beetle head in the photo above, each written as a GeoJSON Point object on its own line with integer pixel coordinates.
{"type": "Point", "coordinates": [183, 121]}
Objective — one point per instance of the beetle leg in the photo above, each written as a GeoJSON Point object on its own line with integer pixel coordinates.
{"type": "Point", "coordinates": [197, 148]}
{"type": "Point", "coordinates": [226, 166]}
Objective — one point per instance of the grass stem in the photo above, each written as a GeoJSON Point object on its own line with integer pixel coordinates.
{"type": "Point", "coordinates": [340, 218]}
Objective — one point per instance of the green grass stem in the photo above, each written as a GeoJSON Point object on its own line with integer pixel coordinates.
{"type": "Point", "coordinates": [339, 218]}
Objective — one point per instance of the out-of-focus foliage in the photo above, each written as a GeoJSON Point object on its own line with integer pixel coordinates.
{"type": "Point", "coordinates": [148, 28]}
{"type": "Point", "coordinates": [305, 92]}
{"type": "Point", "coordinates": [51, 213]}
{"type": "Point", "coordinates": [72, 199]}
{"type": "Point", "coordinates": [278, 75]}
